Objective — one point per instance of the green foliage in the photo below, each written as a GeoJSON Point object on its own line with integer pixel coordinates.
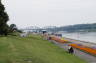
{"type": "Point", "coordinates": [3, 20]}
{"type": "Point", "coordinates": [13, 28]}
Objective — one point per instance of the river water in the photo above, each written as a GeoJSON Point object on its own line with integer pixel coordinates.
{"type": "Point", "coordinates": [83, 36]}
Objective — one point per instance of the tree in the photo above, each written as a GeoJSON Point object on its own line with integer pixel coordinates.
{"type": "Point", "coordinates": [3, 20]}
{"type": "Point", "coordinates": [13, 28]}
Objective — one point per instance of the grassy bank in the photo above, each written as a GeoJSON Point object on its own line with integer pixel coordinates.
{"type": "Point", "coordinates": [33, 49]}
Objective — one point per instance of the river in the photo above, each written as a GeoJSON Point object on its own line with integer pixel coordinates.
{"type": "Point", "coordinates": [83, 36]}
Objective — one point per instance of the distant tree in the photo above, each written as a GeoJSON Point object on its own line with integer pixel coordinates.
{"type": "Point", "coordinates": [3, 20]}
{"type": "Point", "coordinates": [13, 28]}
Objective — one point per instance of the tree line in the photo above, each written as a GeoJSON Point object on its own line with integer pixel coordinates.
{"type": "Point", "coordinates": [75, 28]}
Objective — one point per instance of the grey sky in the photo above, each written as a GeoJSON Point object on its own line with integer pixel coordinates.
{"type": "Point", "coordinates": [50, 12]}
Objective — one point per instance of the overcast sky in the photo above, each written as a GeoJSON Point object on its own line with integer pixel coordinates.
{"type": "Point", "coordinates": [41, 13]}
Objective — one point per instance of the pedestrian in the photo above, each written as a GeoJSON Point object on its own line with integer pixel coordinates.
{"type": "Point", "coordinates": [71, 50]}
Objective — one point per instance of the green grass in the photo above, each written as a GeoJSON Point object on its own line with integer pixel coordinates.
{"type": "Point", "coordinates": [33, 49]}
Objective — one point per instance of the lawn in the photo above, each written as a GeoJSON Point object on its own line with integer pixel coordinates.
{"type": "Point", "coordinates": [33, 49]}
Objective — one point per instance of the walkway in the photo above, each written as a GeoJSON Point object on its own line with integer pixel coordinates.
{"type": "Point", "coordinates": [83, 55]}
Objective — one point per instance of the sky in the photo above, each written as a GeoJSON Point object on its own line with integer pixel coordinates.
{"type": "Point", "coordinates": [41, 13]}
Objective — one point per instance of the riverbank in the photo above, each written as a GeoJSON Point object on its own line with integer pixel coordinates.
{"type": "Point", "coordinates": [89, 58]}
{"type": "Point", "coordinates": [86, 47]}
{"type": "Point", "coordinates": [82, 49]}
{"type": "Point", "coordinates": [33, 49]}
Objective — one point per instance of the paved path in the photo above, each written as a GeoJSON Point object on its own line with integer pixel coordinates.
{"type": "Point", "coordinates": [89, 58]}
